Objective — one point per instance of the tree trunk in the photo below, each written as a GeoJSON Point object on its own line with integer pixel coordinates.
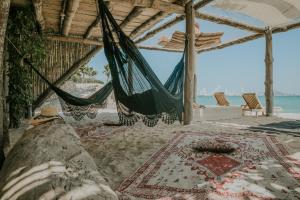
{"type": "Point", "coordinates": [4, 12]}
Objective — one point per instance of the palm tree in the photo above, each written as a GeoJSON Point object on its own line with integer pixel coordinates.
{"type": "Point", "coordinates": [84, 73]}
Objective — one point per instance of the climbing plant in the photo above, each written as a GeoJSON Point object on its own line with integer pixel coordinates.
{"type": "Point", "coordinates": [23, 31]}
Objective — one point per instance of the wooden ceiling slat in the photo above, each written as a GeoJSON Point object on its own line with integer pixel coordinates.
{"type": "Point", "coordinates": [52, 16]}
{"type": "Point", "coordinates": [86, 18]}
{"type": "Point", "coordinates": [53, 2]}
{"type": "Point", "coordinates": [51, 11]}
{"type": "Point", "coordinates": [91, 2]}
{"type": "Point", "coordinates": [52, 21]}
{"type": "Point", "coordinates": [148, 24]}
{"type": "Point", "coordinates": [88, 8]}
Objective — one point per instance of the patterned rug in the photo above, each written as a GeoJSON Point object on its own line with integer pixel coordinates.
{"type": "Point", "coordinates": [95, 131]}
{"type": "Point", "coordinates": [259, 168]}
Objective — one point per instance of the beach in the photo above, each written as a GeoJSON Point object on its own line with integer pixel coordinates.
{"type": "Point", "coordinates": [289, 105]}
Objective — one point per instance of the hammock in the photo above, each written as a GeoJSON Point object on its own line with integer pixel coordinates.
{"type": "Point", "coordinates": [138, 91]}
{"type": "Point", "coordinates": [75, 106]}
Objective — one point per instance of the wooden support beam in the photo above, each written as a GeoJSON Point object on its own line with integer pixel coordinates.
{"type": "Point", "coordinates": [159, 49]}
{"type": "Point", "coordinates": [269, 94]}
{"type": "Point", "coordinates": [74, 39]}
{"type": "Point", "coordinates": [224, 21]}
{"type": "Point", "coordinates": [148, 23]}
{"type": "Point", "coordinates": [161, 28]}
{"type": "Point", "coordinates": [4, 12]}
{"type": "Point", "coordinates": [48, 92]}
{"type": "Point", "coordinates": [62, 14]}
{"type": "Point", "coordinates": [91, 27]}
{"type": "Point", "coordinates": [202, 3]}
{"type": "Point", "coordinates": [72, 7]}
{"type": "Point", "coordinates": [233, 42]}
{"type": "Point", "coordinates": [251, 37]}
{"type": "Point", "coordinates": [286, 28]}
{"type": "Point", "coordinates": [136, 11]}
{"type": "Point", "coordinates": [190, 64]}
{"type": "Point", "coordinates": [160, 5]}
{"type": "Point", "coordinates": [38, 8]}
{"type": "Point", "coordinates": [95, 22]}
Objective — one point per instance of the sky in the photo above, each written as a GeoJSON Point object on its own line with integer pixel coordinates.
{"type": "Point", "coordinates": [234, 69]}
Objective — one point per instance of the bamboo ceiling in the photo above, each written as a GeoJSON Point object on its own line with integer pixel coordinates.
{"type": "Point", "coordinates": [79, 18]}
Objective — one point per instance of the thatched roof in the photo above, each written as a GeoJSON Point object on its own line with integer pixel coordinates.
{"type": "Point", "coordinates": [203, 40]}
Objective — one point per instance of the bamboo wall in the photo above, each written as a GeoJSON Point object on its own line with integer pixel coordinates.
{"type": "Point", "coordinates": [60, 57]}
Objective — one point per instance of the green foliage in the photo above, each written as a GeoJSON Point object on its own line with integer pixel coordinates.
{"type": "Point", "coordinates": [22, 30]}
{"type": "Point", "coordinates": [106, 72]}
{"type": "Point", "coordinates": [85, 74]}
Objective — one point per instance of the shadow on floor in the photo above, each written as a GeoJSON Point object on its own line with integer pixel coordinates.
{"type": "Point", "coordinates": [284, 125]}
{"type": "Point", "coordinates": [287, 127]}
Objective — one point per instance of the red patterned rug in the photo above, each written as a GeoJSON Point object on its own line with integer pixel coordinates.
{"type": "Point", "coordinates": [259, 168]}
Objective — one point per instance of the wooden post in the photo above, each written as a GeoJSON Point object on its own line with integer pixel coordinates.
{"type": "Point", "coordinates": [190, 63]}
{"type": "Point", "coordinates": [4, 12]}
{"type": "Point", "coordinates": [38, 8]}
{"type": "Point", "coordinates": [195, 89]}
{"type": "Point", "coordinates": [269, 73]}
{"type": "Point", "coordinates": [70, 13]}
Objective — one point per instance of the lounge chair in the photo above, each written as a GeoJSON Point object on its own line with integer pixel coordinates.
{"type": "Point", "coordinates": [252, 104]}
{"type": "Point", "coordinates": [221, 99]}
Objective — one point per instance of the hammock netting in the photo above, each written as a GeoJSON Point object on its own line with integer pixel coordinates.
{"type": "Point", "coordinates": [89, 110]}
{"type": "Point", "coordinates": [75, 106]}
{"type": "Point", "coordinates": [138, 91]}
{"type": "Point", "coordinates": [139, 94]}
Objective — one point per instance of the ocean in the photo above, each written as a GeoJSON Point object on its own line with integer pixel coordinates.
{"type": "Point", "coordinates": [288, 104]}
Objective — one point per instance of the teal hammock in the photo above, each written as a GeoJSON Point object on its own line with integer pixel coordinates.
{"type": "Point", "coordinates": [75, 106]}
{"type": "Point", "coordinates": [138, 92]}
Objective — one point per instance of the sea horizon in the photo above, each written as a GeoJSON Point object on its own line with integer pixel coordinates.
{"type": "Point", "coordinates": [288, 104]}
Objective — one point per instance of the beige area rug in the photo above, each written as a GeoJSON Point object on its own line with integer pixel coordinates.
{"type": "Point", "coordinates": [260, 168]}
{"type": "Point", "coordinates": [95, 132]}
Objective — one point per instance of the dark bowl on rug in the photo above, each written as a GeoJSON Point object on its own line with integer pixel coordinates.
{"type": "Point", "coordinates": [214, 147]}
